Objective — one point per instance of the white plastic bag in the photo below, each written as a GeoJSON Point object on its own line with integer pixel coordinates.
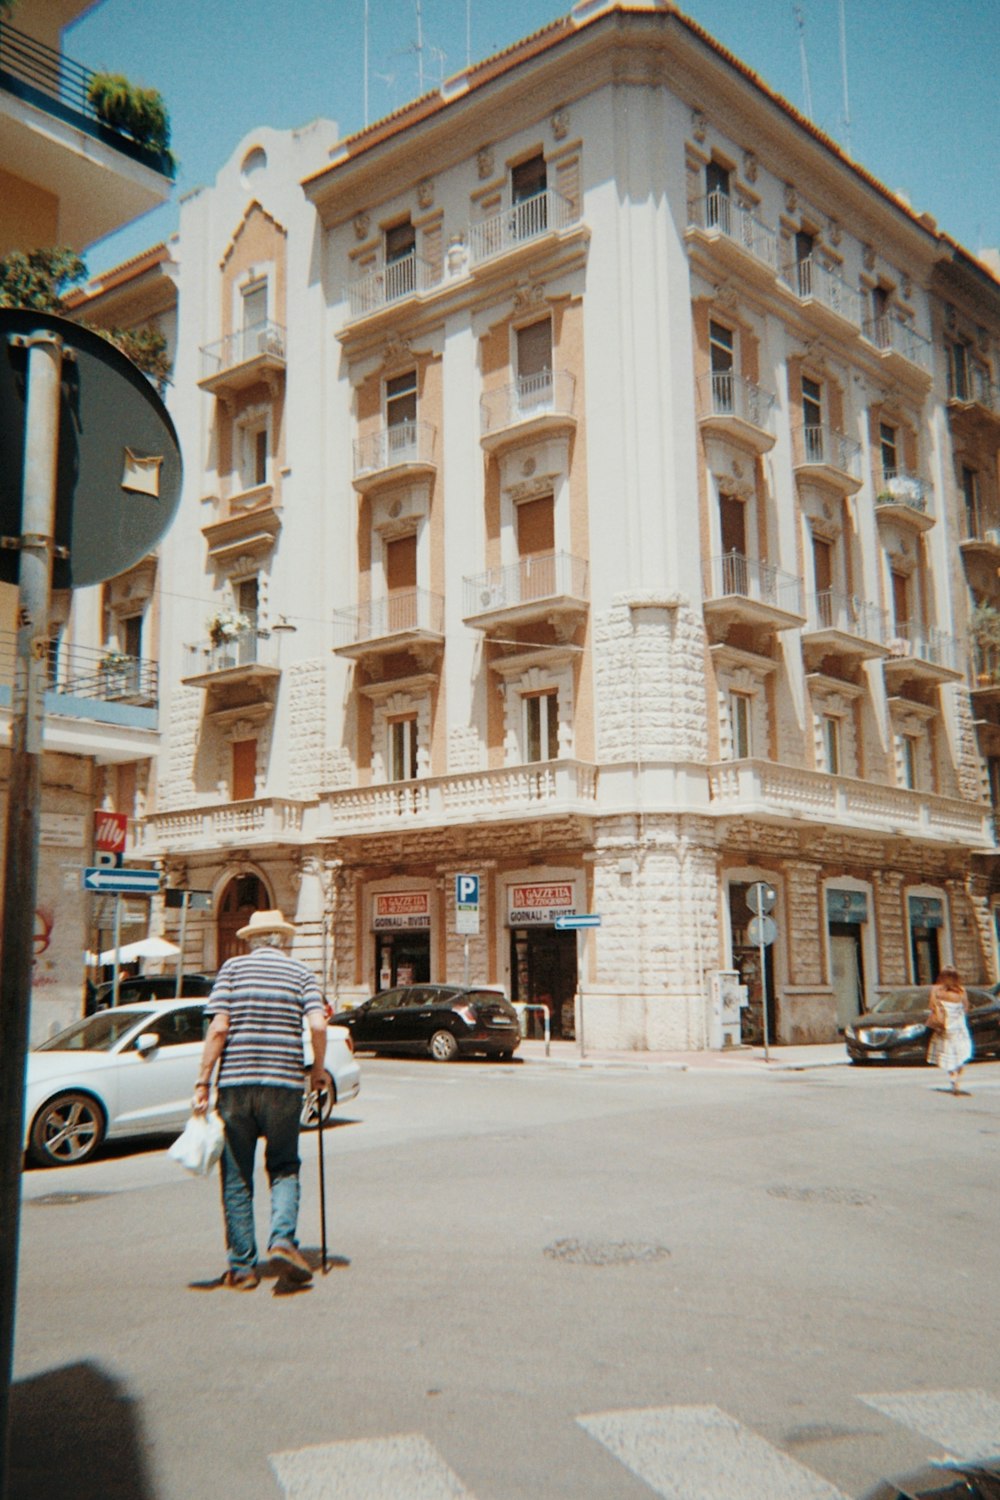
{"type": "Point", "coordinates": [199, 1145]}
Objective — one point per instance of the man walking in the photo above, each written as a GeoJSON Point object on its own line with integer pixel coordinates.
{"type": "Point", "coordinates": [258, 1005]}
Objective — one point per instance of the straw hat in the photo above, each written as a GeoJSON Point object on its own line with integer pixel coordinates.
{"type": "Point", "coordinates": [263, 922]}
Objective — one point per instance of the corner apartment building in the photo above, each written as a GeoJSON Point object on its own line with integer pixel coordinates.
{"type": "Point", "coordinates": [576, 498]}
{"type": "Point", "coordinates": [67, 179]}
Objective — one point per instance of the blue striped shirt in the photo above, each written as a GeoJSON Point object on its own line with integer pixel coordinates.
{"type": "Point", "coordinates": [266, 996]}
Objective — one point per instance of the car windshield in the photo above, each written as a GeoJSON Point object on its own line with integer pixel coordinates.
{"type": "Point", "coordinates": [95, 1033]}
{"type": "Point", "coordinates": [905, 1001]}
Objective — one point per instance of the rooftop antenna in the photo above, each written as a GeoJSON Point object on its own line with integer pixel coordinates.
{"type": "Point", "coordinates": [843, 73]}
{"type": "Point", "coordinates": [806, 89]}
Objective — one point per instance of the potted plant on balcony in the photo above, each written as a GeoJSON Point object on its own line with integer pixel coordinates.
{"type": "Point", "coordinates": [984, 630]}
{"type": "Point", "coordinates": [138, 113]}
{"type": "Point", "coordinates": [114, 669]}
{"type": "Point", "coordinates": [224, 627]}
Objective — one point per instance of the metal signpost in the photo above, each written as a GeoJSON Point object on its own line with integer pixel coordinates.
{"type": "Point", "coordinates": [187, 900]}
{"type": "Point", "coordinates": [762, 930]}
{"type": "Point", "coordinates": [580, 923]}
{"type": "Point", "coordinates": [467, 912]}
{"type": "Point", "coordinates": [90, 479]}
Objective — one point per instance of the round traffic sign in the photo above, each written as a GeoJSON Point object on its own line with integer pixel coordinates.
{"type": "Point", "coordinates": [761, 897]}
{"type": "Point", "coordinates": [762, 931]}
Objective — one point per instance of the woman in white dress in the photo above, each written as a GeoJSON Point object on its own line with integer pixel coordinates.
{"type": "Point", "coordinates": [951, 1044]}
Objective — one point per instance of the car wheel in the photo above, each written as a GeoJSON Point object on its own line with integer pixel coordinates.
{"type": "Point", "coordinates": [328, 1097]}
{"type": "Point", "coordinates": [67, 1131]}
{"type": "Point", "coordinates": [505, 1056]}
{"type": "Point", "coordinates": [443, 1046]}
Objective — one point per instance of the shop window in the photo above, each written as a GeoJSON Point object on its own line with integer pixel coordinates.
{"type": "Point", "coordinates": [541, 726]}
{"type": "Point", "coordinates": [244, 770]}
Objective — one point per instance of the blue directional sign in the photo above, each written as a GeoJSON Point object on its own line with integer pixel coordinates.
{"type": "Point", "coordinates": [121, 882]}
{"type": "Point", "coordinates": [568, 921]}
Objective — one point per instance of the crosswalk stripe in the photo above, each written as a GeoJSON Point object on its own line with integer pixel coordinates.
{"type": "Point", "coordinates": [966, 1423]}
{"type": "Point", "coordinates": [380, 1469]}
{"type": "Point", "coordinates": [701, 1453]}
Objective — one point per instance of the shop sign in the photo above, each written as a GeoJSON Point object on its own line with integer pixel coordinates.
{"type": "Point", "coordinates": [395, 911]}
{"type": "Point", "coordinates": [847, 906]}
{"type": "Point", "coordinates": [926, 911]}
{"type": "Point", "coordinates": [539, 905]}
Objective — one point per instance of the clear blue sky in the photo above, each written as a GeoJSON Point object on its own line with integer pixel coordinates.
{"type": "Point", "coordinates": [923, 79]}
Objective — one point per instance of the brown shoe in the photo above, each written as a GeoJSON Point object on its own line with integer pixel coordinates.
{"type": "Point", "coordinates": [292, 1259]}
{"type": "Point", "coordinates": [242, 1281]}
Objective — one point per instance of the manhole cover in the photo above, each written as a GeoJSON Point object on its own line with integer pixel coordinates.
{"type": "Point", "coordinates": [605, 1252]}
{"type": "Point", "coordinates": [61, 1200]}
{"type": "Point", "coordinates": [849, 1196]}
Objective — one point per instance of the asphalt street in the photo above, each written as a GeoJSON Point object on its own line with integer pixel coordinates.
{"type": "Point", "coordinates": [608, 1282]}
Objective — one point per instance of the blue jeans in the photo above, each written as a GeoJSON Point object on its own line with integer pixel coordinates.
{"type": "Point", "coordinates": [250, 1111]}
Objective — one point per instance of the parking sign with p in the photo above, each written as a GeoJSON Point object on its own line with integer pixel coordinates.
{"type": "Point", "coordinates": [467, 904]}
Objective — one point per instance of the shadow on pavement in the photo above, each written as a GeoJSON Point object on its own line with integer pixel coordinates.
{"type": "Point", "coordinates": [76, 1431]}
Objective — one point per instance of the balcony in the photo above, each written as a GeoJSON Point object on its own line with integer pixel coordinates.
{"type": "Point", "coordinates": [832, 304]}
{"type": "Point", "coordinates": [823, 456]}
{"type": "Point", "coordinates": [511, 794]}
{"type": "Point", "coordinates": [256, 823]}
{"type": "Point", "coordinates": [919, 653]}
{"type": "Point", "coordinates": [904, 351]}
{"type": "Point", "coordinates": [248, 655]}
{"type": "Point", "coordinates": [730, 406]}
{"type": "Point", "coordinates": [400, 452]}
{"type": "Point", "coordinates": [551, 588]}
{"type": "Point", "coordinates": [106, 180]}
{"type": "Point", "coordinates": [734, 237]}
{"type": "Point", "coordinates": [252, 356]}
{"type": "Point", "coordinates": [904, 497]}
{"type": "Point", "coordinates": [791, 795]}
{"type": "Point", "coordinates": [745, 591]}
{"type": "Point", "coordinates": [409, 620]}
{"type": "Point", "coordinates": [521, 224]}
{"type": "Point", "coordinates": [97, 702]}
{"type": "Point", "coordinates": [388, 284]}
{"type": "Point", "coordinates": [982, 541]}
{"type": "Point", "coordinates": [972, 395]}
{"type": "Point", "coordinates": [844, 625]}
{"type": "Point", "coordinates": [532, 406]}
{"type": "Point", "coordinates": [985, 682]}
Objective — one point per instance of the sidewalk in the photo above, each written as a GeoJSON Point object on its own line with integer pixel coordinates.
{"type": "Point", "coordinates": [731, 1059]}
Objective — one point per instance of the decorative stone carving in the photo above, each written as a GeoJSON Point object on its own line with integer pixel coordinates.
{"type": "Point", "coordinates": [750, 166]}
{"type": "Point", "coordinates": [868, 257]}
{"type": "Point", "coordinates": [791, 197]}
{"type": "Point", "coordinates": [699, 126]}
{"type": "Point", "coordinates": [906, 287]}
{"type": "Point", "coordinates": [834, 231]}
{"type": "Point", "coordinates": [560, 124]}
{"type": "Point", "coordinates": [396, 350]}
{"type": "Point", "coordinates": [425, 192]}
{"type": "Point", "coordinates": [726, 296]}
{"type": "Point", "coordinates": [528, 467]}
{"type": "Point", "coordinates": [527, 298]}
{"type": "Point", "coordinates": [362, 224]}
{"type": "Point", "coordinates": [484, 163]}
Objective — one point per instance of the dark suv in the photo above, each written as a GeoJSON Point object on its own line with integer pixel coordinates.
{"type": "Point", "coordinates": [442, 1020]}
{"type": "Point", "coordinates": [135, 989]}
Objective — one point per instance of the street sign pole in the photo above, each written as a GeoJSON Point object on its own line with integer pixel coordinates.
{"type": "Point", "coordinates": [185, 902]}
{"type": "Point", "coordinates": [115, 974]}
{"type": "Point", "coordinates": [44, 361]}
{"type": "Point", "coordinates": [581, 943]}
{"type": "Point", "coordinates": [763, 987]}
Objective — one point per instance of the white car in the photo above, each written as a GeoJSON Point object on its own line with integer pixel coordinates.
{"type": "Point", "coordinates": [131, 1071]}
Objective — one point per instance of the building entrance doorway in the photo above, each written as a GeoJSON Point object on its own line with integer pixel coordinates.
{"type": "Point", "coordinates": [240, 899]}
{"type": "Point", "coordinates": [746, 960]}
{"type": "Point", "coordinates": [926, 954]}
{"type": "Point", "coordinates": [847, 971]}
{"type": "Point", "coordinates": [543, 972]}
{"type": "Point", "coordinates": [402, 958]}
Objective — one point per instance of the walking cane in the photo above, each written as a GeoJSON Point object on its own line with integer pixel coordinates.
{"type": "Point", "coordinates": [322, 1178]}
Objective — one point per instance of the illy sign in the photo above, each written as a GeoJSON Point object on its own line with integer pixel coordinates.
{"type": "Point", "coordinates": [109, 831]}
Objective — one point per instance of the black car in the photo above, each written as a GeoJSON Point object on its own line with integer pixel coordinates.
{"type": "Point", "coordinates": [895, 1029]}
{"type": "Point", "coordinates": [139, 989]}
{"type": "Point", "coordinates": [441, 1020]}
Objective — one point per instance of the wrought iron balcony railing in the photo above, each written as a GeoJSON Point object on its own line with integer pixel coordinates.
{"type": "Point", "coordinates": [401, 443]}
{"type": "Point", "coordinates": [548, 392]}
{"type": "Point", "coordinates": [749, 578]}
{"type": "Point", "coordinates": [726, 394]}
{"type": "Point", "coordinates": [53, 82]}
{"type": "Point", "coordinates": [849, 614]}
{"type": "Point", "coordinates": [719, 213]}
{"type": "Point", "coordinates": [901, 488]}
{"type": "Point", "coordinates": [825, 447]}
{"type": "Point", "coordinates": [811, 281]}
{"type": "Point", "coordinates": [390, 283]}
{"type": "Point", "coordinates": [548, 576]}
{"type": "Point", "coordinates": [393, 614]}
{"type": "Point", "coordinates": [516, 225]}
{"type": "Point", "coordinates": [88, 672]}
{"type": "Point", "coordinates": [244, 648]}
{"type": "Point", "coordinates": [238, 348]}
{"type": "Point", "coordinates": [910, 638]}
{"type": "Point", "coordinates": [892, 333]}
